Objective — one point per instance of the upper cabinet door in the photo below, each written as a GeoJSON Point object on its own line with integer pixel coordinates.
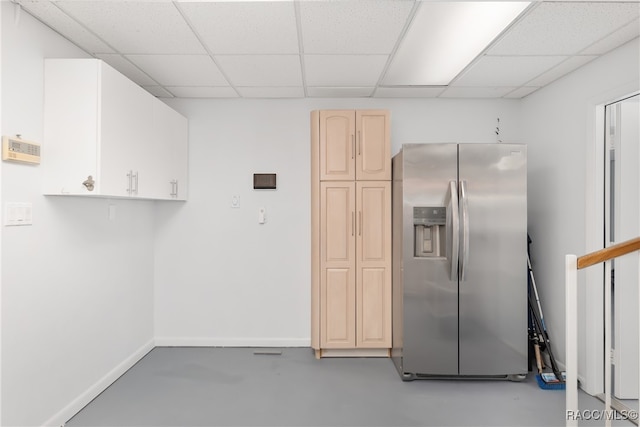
{"type": "Point", "coordinates": [337, 145]}
{"type": "Point", "coordinates": [126, 120]}
{"type": "Point", "coordinates": [355, 145]}
{"type": "Point", "coordinates": [71, 99]}
{"type": "Point", "coordinates": [373, 145]}
{"type": "Point", "coordinates": [169, 174]}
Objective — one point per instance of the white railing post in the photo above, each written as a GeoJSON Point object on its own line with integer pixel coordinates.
{"type": "Point", "coordinates": [607, 343]}
{"type": "Point", "coordinates": [571, 336]}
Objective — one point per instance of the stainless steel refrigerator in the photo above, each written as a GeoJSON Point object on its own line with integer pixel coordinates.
{"type": "Point", "coordinates": [460, 260]}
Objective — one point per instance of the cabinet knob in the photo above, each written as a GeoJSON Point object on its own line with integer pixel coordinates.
{"type": "Point", "coordinates": [89, 183]}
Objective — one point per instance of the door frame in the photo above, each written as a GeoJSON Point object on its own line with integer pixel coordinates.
{"type": "Point", "coordinates": [591, 371]}
{"type": "Point", "coordinates": [622, 386]}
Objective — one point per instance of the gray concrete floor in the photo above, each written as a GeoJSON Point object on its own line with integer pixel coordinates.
{"type": "Point", "coordinates": [235, 387]}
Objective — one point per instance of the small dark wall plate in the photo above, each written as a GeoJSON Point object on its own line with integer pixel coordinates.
{"type": "Point", "coordinates": [264, 181]}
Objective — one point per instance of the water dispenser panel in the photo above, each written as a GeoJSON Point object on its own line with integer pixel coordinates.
{"type": "Point", "coordinates": [429, 215]}
{"type": "Point", "coordinates": [428, 229]}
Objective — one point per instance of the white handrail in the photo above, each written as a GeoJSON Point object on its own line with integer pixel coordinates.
{"type": "Point", "coordinates": [572, 264]}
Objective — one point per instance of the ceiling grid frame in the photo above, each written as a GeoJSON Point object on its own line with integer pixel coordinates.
{"type": "Point", "coordinates": [204, 46]}
{"type": "Point", "coordinates": [296, 6]}
{"type": "Point", "coordinates": [392, 21]}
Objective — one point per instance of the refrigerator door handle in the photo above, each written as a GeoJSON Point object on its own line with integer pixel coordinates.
{"type": "Point", "coordinates": [453, 227]}
{"type": "Point", "coordinates": [464, 219]}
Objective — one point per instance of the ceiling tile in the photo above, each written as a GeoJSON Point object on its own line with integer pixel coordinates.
{"type": "Point", "coordinates": [244, 28]}
{"type": "Point", "coordinates": [48, 13]}
{"type": "Point", "coordinates": [475, 92]}
{"type": "Point", "coordinates": [521, 92]}
{"type": "Point", "coordinates": [158, 91]}
{"type": "Point", "coordinates": [618, 38]}
{"type": "Point", "coordinates": [271, 92]}
{"type": "Point", "coordinates": [343, 70]}
{"type": "Point", "coordinates": [340, 92]}
{"type": "Point", "coordinates": [559, 28]}
{"type": "Point", "coordinates": [362, 27]}
{"type": "Point", "coordinates": [124, 66]}
{"type": "Point", "coordinates": [133, 27]}
{"type": "Point", "coordinates": [202, 92]}
{"type": "Point", "coordinates": [261, 70]}
{"type": "Point", "coordinates": [506, 70]}
{"type": "Point", "coordinates": [560, 70]}
{"type": "Point", "coordinates": [180, 70]}
{"type": "Point", "coordinates": [408, 92]}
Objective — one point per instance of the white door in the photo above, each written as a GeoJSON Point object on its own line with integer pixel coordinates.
{"type": "Point", "coordinates": [624, 223]}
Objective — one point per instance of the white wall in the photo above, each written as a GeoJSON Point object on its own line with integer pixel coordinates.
{"type": "Point", "coordinates": [78, 300]}
{"type": "Point", "coordinates": [77, 289]}
{"type": "Point", "coordinates": [223, 279]}
{"type": "Point", "coordinates": [559, 123]}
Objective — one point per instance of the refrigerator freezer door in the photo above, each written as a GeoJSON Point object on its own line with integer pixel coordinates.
{"type": "Point", "coordinates": [492, 296]}
{"type": "Point", "coordinates": [430, 297]}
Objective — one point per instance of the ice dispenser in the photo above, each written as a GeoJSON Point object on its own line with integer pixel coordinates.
{"type": "Point", "coordinates": [429, 231]}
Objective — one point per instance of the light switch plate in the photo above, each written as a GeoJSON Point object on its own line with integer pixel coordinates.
{"type": "Point", "coordinates": [18, 214]}
{"type": "Point", "coordinates": [235, 201]}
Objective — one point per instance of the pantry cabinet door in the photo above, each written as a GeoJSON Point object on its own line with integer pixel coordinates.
{"type": "Point", "coordinates": [337, 264]}
{"type": "Point", "coordinates": [373, 145]}
{"type": "Point", "coordinates": [373, 265]}
{"type": "Point", "coordinates": [337, 145]}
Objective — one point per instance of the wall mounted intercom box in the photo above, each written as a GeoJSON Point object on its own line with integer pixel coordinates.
{"type": "Point", "coordinates": [264, 181]}
{"type": "Point", "coordinates": [16, 149]}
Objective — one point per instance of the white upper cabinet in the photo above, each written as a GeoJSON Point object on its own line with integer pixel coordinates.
{"type": "Point", "coordinates": [170, 173]}
{"type": "Point", "coordinates": [106, 136]}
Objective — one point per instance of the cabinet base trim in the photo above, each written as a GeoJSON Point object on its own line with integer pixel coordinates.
{"type": "Point", "coordinates": [353, 352]}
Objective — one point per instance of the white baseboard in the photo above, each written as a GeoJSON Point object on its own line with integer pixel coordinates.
{"type": "Point", "coordinates": [231, 342]}
{"type": "Point", "coordinates": [81, 401]}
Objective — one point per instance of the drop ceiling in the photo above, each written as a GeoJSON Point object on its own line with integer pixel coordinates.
{"type": "Point", "coordinates": [323, 48]}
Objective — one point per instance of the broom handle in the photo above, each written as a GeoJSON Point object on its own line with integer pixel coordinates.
{"type": "Point", "coordinates": [535, 291]}
{"type": "Point", "coordinates": [536, 347]}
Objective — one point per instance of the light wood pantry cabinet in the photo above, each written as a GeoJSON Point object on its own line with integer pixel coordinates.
{"type": "Point", "coordinates": [355, 145]}
{"type": "Point", "coordinates": [106, 136]}
{"type": "Point", "coordinates": [351, 253]}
